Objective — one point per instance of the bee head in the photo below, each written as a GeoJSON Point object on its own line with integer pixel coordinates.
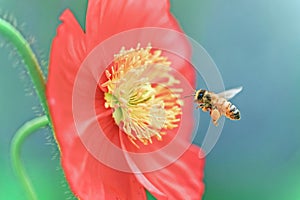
{"type": "Point", "coordinates": [199, 94]}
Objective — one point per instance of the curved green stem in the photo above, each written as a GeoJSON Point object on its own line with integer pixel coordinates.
{"type": "Point", "coordinates": [30, 60]}
{"type": "Point", "coordinates": [27, 129]}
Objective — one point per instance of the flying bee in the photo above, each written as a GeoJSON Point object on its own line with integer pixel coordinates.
{"type": "Point", "coordinates": [218, 104]}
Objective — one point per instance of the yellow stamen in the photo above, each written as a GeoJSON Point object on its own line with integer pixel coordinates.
{"type": "Point", "coordinates": [141, 91]}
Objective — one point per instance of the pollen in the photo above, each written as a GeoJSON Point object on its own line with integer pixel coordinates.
{"type": "Point", "coordinates": [143, 94]}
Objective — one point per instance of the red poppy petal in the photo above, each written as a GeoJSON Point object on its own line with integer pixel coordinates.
{"type": "Point", "coordinates": [108, 17]}
{"type": "Point", "coordinates": [180, 180]}
{"type": "Point", "coordinates": [67, 52]}
{"type": "Point", "coordinates": [88, 178]}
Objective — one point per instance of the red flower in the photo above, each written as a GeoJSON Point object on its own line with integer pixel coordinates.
{"type": "Point", "coordinates": [92, 167]}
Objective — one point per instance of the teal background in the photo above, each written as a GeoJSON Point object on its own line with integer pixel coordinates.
{"type": "Point", "coordinates": [255, 44]}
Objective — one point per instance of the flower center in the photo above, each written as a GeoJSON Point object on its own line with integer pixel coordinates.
{"type": "Point", "coordinates": [140, 89]}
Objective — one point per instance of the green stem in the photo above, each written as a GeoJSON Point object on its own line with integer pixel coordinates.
{"type": "Point", "coordinates": [150, 196]}
{"type": "Point", "coordinates": [30, 60]}
{"type": "Point", "coordinates": [27, 129]}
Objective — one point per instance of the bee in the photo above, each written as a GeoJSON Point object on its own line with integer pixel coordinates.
{"type": "Point", "coordinates": [218, 104]}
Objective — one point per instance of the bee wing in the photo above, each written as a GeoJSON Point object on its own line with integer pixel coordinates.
{"type": "Point", "coordinates": [229, 94]}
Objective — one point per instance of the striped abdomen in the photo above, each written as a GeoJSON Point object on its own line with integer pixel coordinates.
{"type": "Point", "coordinates": [232, 112]}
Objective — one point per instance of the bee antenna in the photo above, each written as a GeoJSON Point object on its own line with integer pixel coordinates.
{"type": "Point", "coordinates": [189, 95]}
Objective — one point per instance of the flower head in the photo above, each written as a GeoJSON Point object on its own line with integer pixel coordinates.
{"type": "Point", "coordinates": [143, 108]}
{"type": "Point", "coordinates": [136, 101]}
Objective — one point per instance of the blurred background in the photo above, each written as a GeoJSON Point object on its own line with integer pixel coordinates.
{"type": "Point", "coordinates": [255, 44]}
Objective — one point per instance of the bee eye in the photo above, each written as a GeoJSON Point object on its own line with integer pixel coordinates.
{"type": "Point", "coordinates": [200, 95]}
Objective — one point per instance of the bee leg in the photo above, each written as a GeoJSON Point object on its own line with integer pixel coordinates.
{"type": "Point", "coordinates": [205, 109]}
{"type": "Point", "coordinates": [215, 115]}
{"type": "Point", "coordinates": [201, 105]}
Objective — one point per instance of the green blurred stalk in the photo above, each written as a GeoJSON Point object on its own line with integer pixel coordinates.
{"type": "Point", "coordinates": [27, 129]}
{"type": "Point", "coordinates": [29, 58]}
{"type": "Point", "coordinates": [39, 82]}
